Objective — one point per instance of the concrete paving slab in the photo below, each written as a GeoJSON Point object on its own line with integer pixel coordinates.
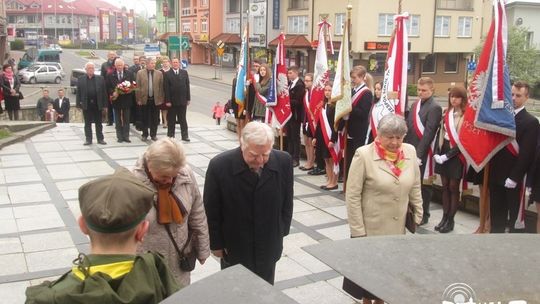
{"type": "Point", "coordinates": [65, 171]}
{"type": "Point", "coordinates": [8, 226]}
{"type": "Point", "coordinates": [300, 206]}
{"type": "Point", "coordinates": [336, 233]}
{"type": "Point", "coordinates": [13, 292]}
{"type": "Point", "coordinates": [95, 168]}
{"type": "Point", "coordinates": [17, 160]}
{"type": "Point", "coordinates": [18, 148]}
{"type": "Point", "coordinates": [338, 211]}
{"type": "Point", "coordinates": [324, 201]}
{"type": "Point", "coordinates": [10, 245]}
{"type": "Point", "coordinates": [46, 241]}
{"type": "Point", "coordinates": [20, 175]}
{"type": "Point", "coordinates": [318, 292]}
{"type": "Point", "coordinates": [314, 217]}
{"type": "Point", "coordinates": [28, 193]}
{"type": "Point", "coordinates": [13, 263]}
{"type": "Point", "coordinates": [51, 259]}
{"type": "Point", "coordinates": [6, 213]}
{"type": "Point", "coordinates": [287, 269]}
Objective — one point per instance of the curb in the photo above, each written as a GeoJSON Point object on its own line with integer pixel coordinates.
{"type": "Point", "coordinates": [19, 136]}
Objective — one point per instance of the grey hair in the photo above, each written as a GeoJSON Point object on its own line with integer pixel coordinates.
{"type": "Point", "coordinates": [165, 154]}
{"type": "Point", "coordinates": [392, 124]}
{"type": "Point", "coordinates": [89, 63]}
{"type": "Point", "coordinates": [257, 133]}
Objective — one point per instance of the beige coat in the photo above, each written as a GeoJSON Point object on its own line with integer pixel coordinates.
{"type": "Point", "coordinates": [141, 95]}
{"type": "Point", "coordinates": [376, 198]}
{"type": "Point", "coordinates": [157, 239]}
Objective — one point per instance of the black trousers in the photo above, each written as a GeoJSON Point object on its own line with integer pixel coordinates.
{"type": "Point", "coordinates": [121, 122]}
{"type": "Point", "coordinates": [504, 207]}
{"type": "Point", "coordinates": [110, 115]}
{"type": "Point", "coordinates": [150, 118]}
{"type": "Point", "coordinates": [92, 114]}
{"type": "Point", "coordinates": [293, 139]}
{"type": "Point", "coordinates": [177, 113]}
{"type": "Point", "coordinates": [352, 145]}
{"type": "Point", "coordinates": [427, 191]}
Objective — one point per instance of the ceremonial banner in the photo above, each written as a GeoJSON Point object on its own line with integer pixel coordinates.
{"type": "Point", "coordinates": [488, 122]}
{"type": "Point", "coordinates": [321, 74]}
{"type": "Point", "coordinates": [240, 93]}
{"type": "Point", "coordinates": [341, 90]}
{"type": "Point", "coordinates": [394, 86]}
{"type": "Point", "coordinates": [280, 87]}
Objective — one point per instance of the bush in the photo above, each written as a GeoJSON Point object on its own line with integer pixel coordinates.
{"type": "Point", "coordinates": [17, 45]}
{"type": "Point", "coordinates": [412, 90]}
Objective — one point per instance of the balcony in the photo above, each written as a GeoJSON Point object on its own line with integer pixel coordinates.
{"type": "Point", "coordinates": [457, 5]}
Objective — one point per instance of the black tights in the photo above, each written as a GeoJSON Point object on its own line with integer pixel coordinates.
{"type": "Point", "coordinates": [450, 196]}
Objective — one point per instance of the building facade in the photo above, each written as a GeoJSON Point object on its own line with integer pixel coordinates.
{"type": "Point", "coordinates": [526, 14]}
{"type": "Point", "coordinates": [3, 32]}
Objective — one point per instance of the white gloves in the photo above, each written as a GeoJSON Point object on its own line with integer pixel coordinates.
{"type": "Point", "coordinates": [419, 161]}
{"type": "Point", "coordinates": [510, 184]}
{"type": "Point", "coordinates": [440, 159]}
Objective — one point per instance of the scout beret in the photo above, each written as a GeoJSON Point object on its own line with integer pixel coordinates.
{"type": "Point", "coordinates": [115, 203]}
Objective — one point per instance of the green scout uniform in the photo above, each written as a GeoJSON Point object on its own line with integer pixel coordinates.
{"type": "Point", "coordinates": [112, 204]}
{"type": "Point", "coordinates": [143, 279]}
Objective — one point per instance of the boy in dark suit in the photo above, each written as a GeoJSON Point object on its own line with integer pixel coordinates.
{"type": "Point", "coordinates": [297, 89]}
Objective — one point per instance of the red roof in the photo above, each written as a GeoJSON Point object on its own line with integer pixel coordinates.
{"type": "Point", "coordinates": [293, 41]}
{"type": "Point", "coordinates": [227, 38]}
{"type": "Point", "coordinates": [80, 7]}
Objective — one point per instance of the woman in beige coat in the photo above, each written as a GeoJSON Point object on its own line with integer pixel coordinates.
{"type": "Point", "coordinates": [178, 204]}
{"type": "Point", "coordinates": [384, 178]}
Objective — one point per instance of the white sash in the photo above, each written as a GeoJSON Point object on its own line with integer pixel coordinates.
{"type": "Point", "coordinates": [327, 135]}
{"type": "Point", "coordinates": [429, 170]}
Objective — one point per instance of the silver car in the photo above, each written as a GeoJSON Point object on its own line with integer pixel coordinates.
{"type": "Point", "coordinates": [41, 73]}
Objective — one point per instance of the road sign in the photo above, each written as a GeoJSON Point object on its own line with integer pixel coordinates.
{"type": "Point", "coordinates": [184, 63]}
{"type": "Point", "coordinates": [471, 65]}
{"type": "Point", "coordinates": [220, 51]}
{"type": "Point", "coordinates": [220, 44]}
{"type": "Point", "coordinates": [175, 43]}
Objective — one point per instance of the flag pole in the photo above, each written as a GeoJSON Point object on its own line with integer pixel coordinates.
{"type": "Point", "coordinates": [248, 68]}
{"type": "Point", "coordinates": [346, 127]}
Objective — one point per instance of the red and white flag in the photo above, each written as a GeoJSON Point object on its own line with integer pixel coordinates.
{"type": "Point", "coordinates": [278, 100]}
{"type": "Point", "coordinates": [394, 86]}
{"type": "Point", "coordinates": [321, 75]}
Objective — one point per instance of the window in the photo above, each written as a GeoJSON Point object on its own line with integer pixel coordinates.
{"type": "Point", "coordinates": [462, 5]}
{"type": "Point", "coordinates": [413, 25]}
{"type": "Point", "coordinates": [298, 24]}
{"type": "Point", "coordinates": [232, 25]}
{"type": "Point", "coordinates": [340, 24]}
{"type": "Point", "coordinates": [31, 19]}
{"type": "Point", "coordinates": [233, 6]}
{"type": "Point", "coordinates": [34, 5]}
{"type": "Point", "coordinates": [204, 2]}
{"type": "Point", "coordinates": [428, 66]}
{"type": "Point", "coordinates": [465, 27]}
{"type": "Point", "coordinates": [298, 4]}
{"type": "Point", "coordinates": [186, 26]}
{"type": "Point", "coordinates": [451, 63]}
{"type": "Point", "coordinates": [204, 26]}
{"type": "Point", "coordinates": [258, 25]}
{"type": "Point", "coordinates": [11, 19]}
{"type": "Point", "coordinates": [195, 22]}
{"type": "Point", "coordinates": [386, 24]}
{"type": "Point", "coordinates": [529, 40]}
{"type": "Point", "coordinates": [442, 26]}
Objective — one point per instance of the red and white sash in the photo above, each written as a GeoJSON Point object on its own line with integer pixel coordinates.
{"type": "Point", "coordinates": [254, 79]}
{"type": "Point", "coordinates": [326, 129]}
{"type": "Point", "coordinates": [309, 115]}
{"type": "Point", "coordinates": [356, 97]}
{"type": "Point", "coordinates": [419, 129]}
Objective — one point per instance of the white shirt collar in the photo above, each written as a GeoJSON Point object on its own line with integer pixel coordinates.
{"type": "Point", "coordinates": [516, 111]}
{"type": "Point", "coordinates": [293, 83]}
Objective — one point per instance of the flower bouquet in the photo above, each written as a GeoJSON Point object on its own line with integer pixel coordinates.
{"type": "Point", "coordinates": [124, 87]}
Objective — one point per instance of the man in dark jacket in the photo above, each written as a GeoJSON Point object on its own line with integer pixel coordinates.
{"type": "Point", "coordinates": [113, 210]}
{"type": "Point", "coordinates": [248, 198]}
{"type": "Point", "coordinates": [423, 122]}
{"type": "Point", "coordinates": [92, 99]}
{"type": "Point", "coordinates": [177, 98]}
{"type": "Point", "coordinates": [62, 106]}
{"type": "Point", "coordinates": [107, 68]}
{"type": "Point", "coordinates": [297, 89]}
{"type": "Point", "coordinates": [121, 102]}
{"type": "Point", "coordinates": [510, 164]}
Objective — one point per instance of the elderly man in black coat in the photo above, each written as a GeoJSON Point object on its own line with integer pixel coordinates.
{"type": "Point", "coordinates": [121, 102]}
{"type": "Point", "coordinates": [177, 98]}
{"type": "Point", "coordinates": [92, 99]}
{"type": "Point", "coordinates": [248, 197]}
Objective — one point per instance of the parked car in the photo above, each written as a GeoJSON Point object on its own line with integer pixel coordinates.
{"type": "Point", "coordinates": [55, 64]}
{"type": "Point", "coordinates": [75, 74]}
{"type": "Point", "coordinates": [56, 47]}
{"type": "Point", "coordinates": [33, 55]}
{"type": "Point", "coordinates": [41, 73]}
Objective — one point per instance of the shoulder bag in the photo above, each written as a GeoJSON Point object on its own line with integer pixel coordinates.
{"type": "Point", "coordinates": [186, 262]}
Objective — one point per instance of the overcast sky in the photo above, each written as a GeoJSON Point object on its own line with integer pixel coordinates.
{"type": "Point", "coordinates": [140, 6]}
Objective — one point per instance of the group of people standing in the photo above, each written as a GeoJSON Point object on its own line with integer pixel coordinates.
{"type": "Point", "coordinates": [137, 94]}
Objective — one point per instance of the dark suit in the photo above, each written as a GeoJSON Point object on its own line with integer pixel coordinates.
{"type": "Point", "coordinates": [136, 110]}
{"type": "Point", "coordinates": [122, 104]}
{"type": "Point", "coordinates": [504, 202]}
{"type": "Point", "coordinates": [12, 103]}
{"type": "Point", "coordinates": [107, 68]}
{"type": "Point", "coordinates": [358, 124]}
{"type": "Point", "coordinates": [62, 109]}
{"type": "Point", "coordinates": [249, 215]}
{"type": "Point", "coordinates": [430, 116]}
{"type": "Point", "coordinates": [177, 92]}
{"type": "Point", "coordinates": [92, 108]}
{"type": "Point", "coordinates": [296, 96]}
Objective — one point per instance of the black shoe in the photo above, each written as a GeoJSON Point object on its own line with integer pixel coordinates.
{"type": "Point", "coordinates": [295, 163]}
{"type": "Point", "coordinates": [109, 124]}
{"type": "Point", "coordinates": [317, 171]}
{"type": "Point", "coordinates": [330, 188]}
{"type": "Point", "coordinates": [144, 138]}
{"type": "Point", "coordinates": [154, 138]}
{"type": "Point", "coordinates": [424, 221]}
{"type": "Point", "coordinates": [101, 142]}
{"type": "Point", "coordinates": [186, 139]}
{"type": "Point", "coordinates": [119, 141]}
{"type": "Point", "coordinates": [340, 179]}
{"type": "Point", "coordinates": [127, 140]}
{"type": "Point", "coordinates": [449, 226]}
{"type": "Point", "coordinates": [87, 143]}
{"type": "Point", "coordinates": [441, 223]}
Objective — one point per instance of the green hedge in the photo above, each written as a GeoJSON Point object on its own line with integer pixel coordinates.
{"type": "Point", "coordinates": [17, 45]}
{"type": "Point", "coordinates": [412, 90]}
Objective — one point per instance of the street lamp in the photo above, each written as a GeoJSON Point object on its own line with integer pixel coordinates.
{"type": "Point", "coordinates": [72, 21]}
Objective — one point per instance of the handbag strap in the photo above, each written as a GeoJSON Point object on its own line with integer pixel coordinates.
{"type": "Point", "coordinates": [180, 252]}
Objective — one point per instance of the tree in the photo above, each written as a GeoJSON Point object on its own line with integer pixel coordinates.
{"type": "Point", "coordinates": [523, 60]}
{"type": "Point", "coordinates": [143, 27]}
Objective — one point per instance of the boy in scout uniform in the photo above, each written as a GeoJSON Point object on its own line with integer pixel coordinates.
{"type": "Point", "coordinates": [113, 216]}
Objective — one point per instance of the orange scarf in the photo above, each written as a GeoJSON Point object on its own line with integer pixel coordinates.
{"type": "Point", "coordinates": [167, 206]}
{"type": "Point", "coordinates": [394, 160]}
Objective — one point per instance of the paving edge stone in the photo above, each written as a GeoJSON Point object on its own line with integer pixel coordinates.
{"type": "Point", "coordinates": [19, 136]}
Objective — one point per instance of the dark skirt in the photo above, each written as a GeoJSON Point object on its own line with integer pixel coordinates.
{"type": "Point", "coordinates": [306, 130]}
{"type": "Point", "coordinates": [12, 103]}
{"type": "Point", "coordinates": [452, 168]}
{"type": "Point", "coordinates": [477, 178]}
{"type": "Point", "coordinates": [321, 148]}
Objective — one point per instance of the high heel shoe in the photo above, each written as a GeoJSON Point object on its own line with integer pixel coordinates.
{"type": "Point", "coordinates": [449, 226]}
{"type": "Point", "coordinates": [441, 223]}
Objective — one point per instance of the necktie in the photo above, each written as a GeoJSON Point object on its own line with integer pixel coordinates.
{"type": "Point", "coordinates": [120, 76]}
{"type": "Point", "coordinates": [150, 85]}
{"type": "Point", "coordinates": [176, 72]}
